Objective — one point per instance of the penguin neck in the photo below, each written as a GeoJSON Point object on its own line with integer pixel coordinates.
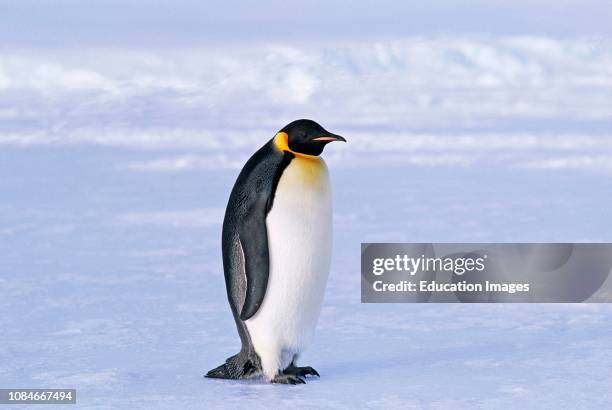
{"type": "Point", "coordinates": [281, 142]}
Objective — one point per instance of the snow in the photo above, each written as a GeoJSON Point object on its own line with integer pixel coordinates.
{"type": "Point", "coordinates": [116, 166]}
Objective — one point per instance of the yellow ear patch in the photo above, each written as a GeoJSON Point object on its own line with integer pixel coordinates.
{"type": "Point", "coordinates": [281, 141]}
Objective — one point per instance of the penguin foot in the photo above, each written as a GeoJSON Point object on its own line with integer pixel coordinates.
{"type": "Point", "coordinates": [220, 372]}
{"type": "Point", "coordinates": [285, 378]}
{"type": "Point", "coordinates": [236, 367]}
{"type": "Point", "coordinates": [301, 371]}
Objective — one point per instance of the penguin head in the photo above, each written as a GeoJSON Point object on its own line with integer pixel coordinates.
{"type": "Point", "coordinates": [305, 137]}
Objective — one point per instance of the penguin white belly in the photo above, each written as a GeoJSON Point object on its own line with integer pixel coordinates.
{"type": "Point", "coordinates": [299, 228]}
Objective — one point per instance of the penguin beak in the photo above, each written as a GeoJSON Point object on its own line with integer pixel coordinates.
{"type": "Point", "coordinates": [329, 137]}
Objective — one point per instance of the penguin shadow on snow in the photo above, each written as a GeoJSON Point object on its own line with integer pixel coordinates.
{"type": "Point", "coordinates": [256, 382]}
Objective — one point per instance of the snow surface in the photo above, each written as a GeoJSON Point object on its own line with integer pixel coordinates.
{"type": "Point", "coordinates": [116, 166]}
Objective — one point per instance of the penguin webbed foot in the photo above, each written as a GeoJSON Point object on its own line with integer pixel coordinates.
{"type": "Point", "coordinates": [218, 373]}
{"type": "Point", "coordinates": [236, 367]}
{"type": "Point", "coordinates": [301, 371]}
{"type": "Point", "coordinates": [285, 378]}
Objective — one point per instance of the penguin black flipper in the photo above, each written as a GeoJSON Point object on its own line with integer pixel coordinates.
{"type": "Point", "coordinates": [253, 242]}
{"type": "Point", "coordinates": [245, 241]}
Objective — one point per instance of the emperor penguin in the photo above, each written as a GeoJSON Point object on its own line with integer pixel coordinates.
{"type": "Point", "coordinates": [276, 243]}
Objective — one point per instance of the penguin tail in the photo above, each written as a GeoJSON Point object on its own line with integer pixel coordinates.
{"type": "Point", "coordinates": [236, 367]}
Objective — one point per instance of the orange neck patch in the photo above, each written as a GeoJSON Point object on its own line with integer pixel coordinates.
{"type": "Point", "coordinates": [281, 141]}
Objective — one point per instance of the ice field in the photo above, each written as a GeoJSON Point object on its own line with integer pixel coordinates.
{"type": "Point", "coordinates": [116, 165]}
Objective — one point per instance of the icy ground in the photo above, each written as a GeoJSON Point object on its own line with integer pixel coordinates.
{"type": "Point", "coordinates": [112, 190]}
